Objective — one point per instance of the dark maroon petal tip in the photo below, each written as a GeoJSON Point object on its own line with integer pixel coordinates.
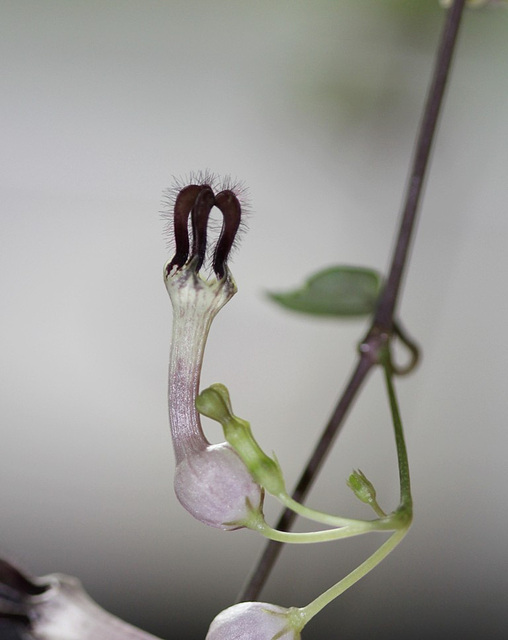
{"type": "Point", "coordinates": [231, 210]}
{"type": "Point", "coordinates": [197, 201]}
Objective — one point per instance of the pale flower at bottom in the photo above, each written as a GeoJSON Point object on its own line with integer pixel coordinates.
{"type": "Point", "coordinates": [254, 621]}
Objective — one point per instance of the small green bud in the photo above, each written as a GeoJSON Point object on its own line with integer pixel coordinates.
{"type": "Point", "coordinates": [362, 487]}
{"type": "Point", "coordinates": [214, 402]}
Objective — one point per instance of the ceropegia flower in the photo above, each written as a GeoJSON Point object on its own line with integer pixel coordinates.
{"type": "Point", "coordinates": [211, 481]}
{"type": "Point", "coordinates": [255, 621]}
{"type": "Point", "coordinates": [56, 607]}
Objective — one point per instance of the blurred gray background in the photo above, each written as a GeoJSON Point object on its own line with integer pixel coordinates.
{"type": "Point", "coordinates": [314, 105]}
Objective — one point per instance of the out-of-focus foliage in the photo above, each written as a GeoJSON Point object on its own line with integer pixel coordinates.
{"type": "Point", "coordinates": [337, 291]}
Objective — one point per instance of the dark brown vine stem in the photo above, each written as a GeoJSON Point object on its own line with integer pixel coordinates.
{"type": "Point", "coordinates": [383, 323]}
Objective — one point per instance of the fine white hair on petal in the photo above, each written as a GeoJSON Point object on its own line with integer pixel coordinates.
{"type": "Point", "coordinates": [241, 191]}
{"type": "Point", "coordinates": [170, 194]}
{"type": "Point", "coordinates": [217, 184]}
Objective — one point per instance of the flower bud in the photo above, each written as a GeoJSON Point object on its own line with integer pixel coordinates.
{"type": "Point", "coordinates": [255, 621]}
{"type": "Point", "coordinates": [362, 487]}
{"type": "Point", "coordinates": [214, 402]}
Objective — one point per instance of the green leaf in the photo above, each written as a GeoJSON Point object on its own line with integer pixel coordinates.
{"type": "Point", "coordinates": [336, 291]}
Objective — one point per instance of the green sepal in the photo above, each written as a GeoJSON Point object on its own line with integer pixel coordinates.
{"type": "Point", "coordinates": [337, 291]}
{"type": "Point", "coordinates": [214, 402]}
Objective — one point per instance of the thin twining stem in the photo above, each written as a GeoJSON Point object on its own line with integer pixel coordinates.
{"type": "Point", "coordinates": [388, 523]}
{"type": "Point", "coordinates": [383, 320]}
{"type": "Point", "coordinates": [362, 570]}
{"type": "Point", "coordinates": [386, 309]}
{"type": "Point", "coordinates": [400, 519]}
{"type": "Point", "coordinates": [406, 500]}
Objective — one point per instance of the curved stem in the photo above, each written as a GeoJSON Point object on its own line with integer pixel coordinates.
{"type": "Point", "coordinates": [372, 561]}
{"type": "Point", "coordinates": [406, 501]}
{"type": "Point", "coordinates": [377, 510]}
{"type": "Point", "coordinates": [310, 537]}
{"type": "Point", "coordinates": [319, 516]}
{"type": "Point", "coordinates": [383, 319]}
{"type": "Point", "coordinates": [261, 571]}
{"type": "Point", "coordinates": [411, 346]}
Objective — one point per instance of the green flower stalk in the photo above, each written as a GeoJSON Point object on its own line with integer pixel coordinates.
{"type": "Point", "coordinates": [211, 481]}
{"type": "Point", "coordinates": [214, 402]}
{"type": "Point", "coordinates": [261, 621]}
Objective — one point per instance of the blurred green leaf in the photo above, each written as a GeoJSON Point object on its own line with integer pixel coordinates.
{"type": "Point", "coordinates": [336, 291]}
